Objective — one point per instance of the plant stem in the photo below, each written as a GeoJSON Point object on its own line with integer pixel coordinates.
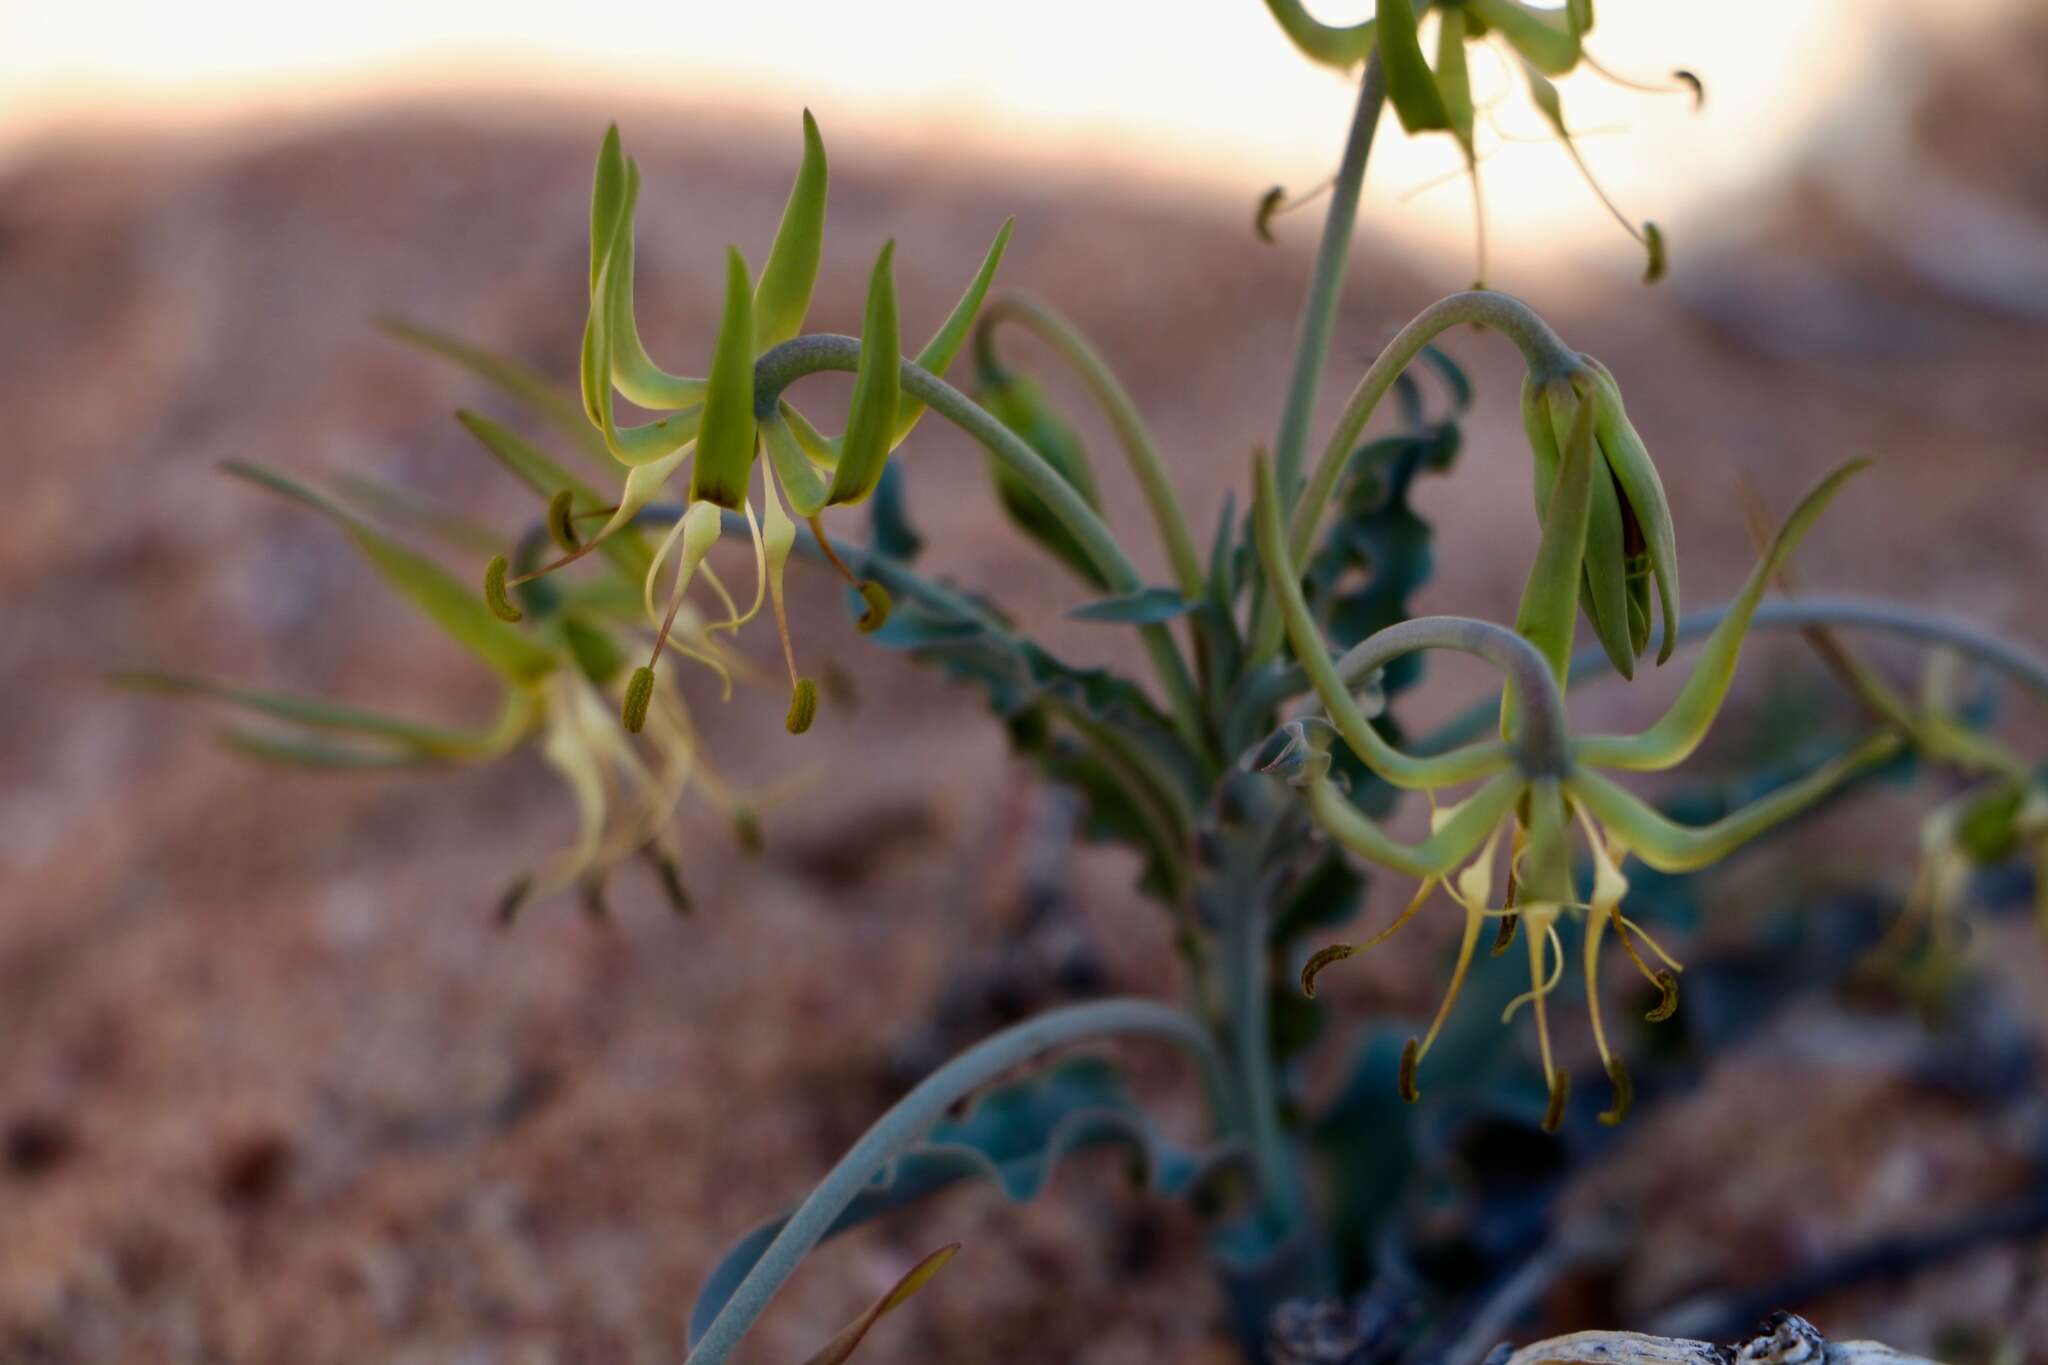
{"type": "Point", "coordinates": [915, 1113]}
{"type": "Point", "coordinates": [1543, 350]}
{"type": "Point", "coordinates": [1319, 313]}
{"type": "Point", "coordinates": [1131, 432]}
{"type": "Point", "coordinates": [790, 361]}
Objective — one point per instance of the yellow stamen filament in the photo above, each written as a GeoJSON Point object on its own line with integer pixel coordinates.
{"type": "Point", "coordinates": [760, 575]}
{"type": "Point", "coordinates": [1443, 1012]}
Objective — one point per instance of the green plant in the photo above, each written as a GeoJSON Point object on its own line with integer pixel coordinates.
{"type": "Point", "coordinates": [1250, 816]}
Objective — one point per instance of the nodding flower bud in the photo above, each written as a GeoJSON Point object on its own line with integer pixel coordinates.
{"type": "Point", "coordinates": [494, 591]}
{"type": "Point", "coordinates": [803, 706]}
{"type": "Point", "coordinates": [1631, 543]}
{"type": "Point", "coordinates": [561, 522]}
{"type": "Point", "coordinates": [639, 692]}
{"type": "Point", "coordinates": [876, 605]}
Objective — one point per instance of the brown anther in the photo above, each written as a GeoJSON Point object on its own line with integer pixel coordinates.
{"type": "Point", "coordinates": [1505, 935]}
{"type": "Point", "coordinates": [1410, 1056]}
{"type": "Point", "coordinates": [1624, 1093]}
{"type": "Point", "coordinates": [1667, 982]}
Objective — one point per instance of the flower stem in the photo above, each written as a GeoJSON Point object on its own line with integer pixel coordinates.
{"type": "Point", "coordinates": [1543, 350]}
{"type": "Point", "coordinates": [1319, 313]}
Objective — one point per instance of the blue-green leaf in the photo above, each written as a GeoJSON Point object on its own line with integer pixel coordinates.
{"type": "Point", "coordinates": [1145, 607]}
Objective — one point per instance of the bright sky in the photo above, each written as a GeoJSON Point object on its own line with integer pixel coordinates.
{"type": "Point", "coordinates": [1188, 89]}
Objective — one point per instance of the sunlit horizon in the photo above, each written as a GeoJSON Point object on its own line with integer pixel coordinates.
{"type": "Point", "coordinates": [1215, 99]}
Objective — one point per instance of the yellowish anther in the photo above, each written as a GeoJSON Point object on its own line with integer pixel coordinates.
{"type": "Point", "coordinates": [670, 878]}
{"type": "Point", "coordinates": [1504, 934]}
{"type": "Point", "coordinates": [875, 598]}
{"type": "Point", "coordinates": [1624, 1093]}
{"type": "Point", "coordinates": [803, 706]}
{"type": "Point", "coordinates": [513, 898]}
{"type": "Point", "coordinates": [1653, 244]}
{"type": "Point", "coordinates": [639, 692]}
{"type": "Point", "coordinates": [1337, 952]}
{"type": "Point", "coordinates": [494, 591]}
{"type": "Point", "coordinates": [1666, 982]}
{"type": "Point", "coordinates": [746, 829]}
{"type": "Point", "coordinates": [1560, 1092]}
{"type": "Point", "coordinates": [562, 522]}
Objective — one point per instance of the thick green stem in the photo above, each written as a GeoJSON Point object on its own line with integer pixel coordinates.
{"type": "Point", "coordinates": [792, 360]}
{"type": "Point", "coordinates": [1543, 350]}
{"type": "Point", "coordinates": [1131, 433]}
{"type": "Point", "coordinates": [917, 1111]}
{"type": "Point", "coordinates": [1319, 313]}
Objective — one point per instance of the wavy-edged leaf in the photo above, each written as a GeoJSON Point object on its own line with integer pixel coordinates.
{"type": "Point", "coordinates": [1145, 607]}
{"type": "Point", "coordinates": [1014, 1137]}
{"type": "Point", "coordinates": [452, 605]}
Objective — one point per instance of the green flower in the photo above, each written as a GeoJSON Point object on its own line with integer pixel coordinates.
{"type": "Point", "coordinates": [714, 424]}
{"type": "Point", "coordinates": [562, 681]}
{"type": "Point", "coordinates": [1631, 543]}
{"type": "Point", "coordinates": [1539, 782]}
{"type": "Point", "coordinates": [1542, 42]}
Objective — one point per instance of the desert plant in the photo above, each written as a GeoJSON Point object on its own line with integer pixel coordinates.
{"type": "Point", "coordinates": [1252, 774]}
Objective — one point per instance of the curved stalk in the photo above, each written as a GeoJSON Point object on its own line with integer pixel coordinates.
{"type": "Point", "coordinates": [792, 360]}
{"type": "Point", "coordinates": [915, 1113]}
{"type": "Point", "coordinates": [1542, 749]}
{"type": "Point", "coordinates": [1544, 351]}
{"type": "Point", "coordinates": [1139, 449]}
{"type": "Point", "coordinates": [1541, 743]}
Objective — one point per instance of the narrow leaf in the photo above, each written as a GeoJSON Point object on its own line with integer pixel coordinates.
{"type": "Point", "coordinates": [842, 1346]}
{"type": "Point", "coordinates": [937, 355]}
{"type": "Point", "coordinates": [1145, 607]}
{"type": "Point", "coordinates": [876, 386]}
{"type": "Point", "coordinates": [1411, 87]}
{"type": "Point", "coordinates": [452, 605]}
{"type": "Point", "coordinates": [725, 443]}
{"type": "Point", "coordinates": [784, 294]}
{"type": "Point", "coordinates": [510, 377]}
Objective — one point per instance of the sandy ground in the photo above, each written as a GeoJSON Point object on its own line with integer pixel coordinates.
{"type": "Point", "coordinates": [272, 1086]}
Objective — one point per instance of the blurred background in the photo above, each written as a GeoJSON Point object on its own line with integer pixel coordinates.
{"type": "Point", "coordinates": [272, 1084]}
